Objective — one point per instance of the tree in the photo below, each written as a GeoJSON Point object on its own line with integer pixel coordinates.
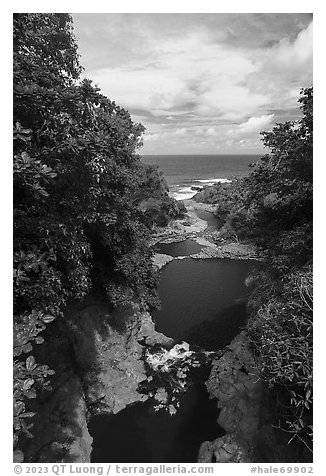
{"type": "Point", "coordinates": [77, 224]}
{"type": "Point", "coordinates": [273, 203]}
{"type": "Point", "coordinates": [272, 206]}
{"type": "Point", "coordinates": [279, 191]}
{"type": "Point", "coordinates": [280, 328]}
{"type": "Point", "coordinates": [153, 198]}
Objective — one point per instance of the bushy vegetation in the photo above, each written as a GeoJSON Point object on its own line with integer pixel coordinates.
{"type": "Point", "coordinates": [280, 331]}
{"type": "Point", "coordinates": [212, 194]}
{"type": "Point", "coordinates": [79, 224]}
{"type": "Point", "coordinates": [272, 205]}
{"type": "Point", "coordinates": [154, 200]}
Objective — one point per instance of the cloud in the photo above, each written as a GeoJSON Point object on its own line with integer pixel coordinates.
{"type": "Point", "coordinates": [192, 75]}
{"type": "Point", "coordinates": [284, 68]}
{"type": "Point", "coordinates": [255, 124]}
{"type": "Point", "coordinates": [230, 101]}
{"type": "Point", "coordinates": [211, 132]}
{"type": "Point", "coordinates": [200, 78]}
{"type": "Point", "coordinates": [294, 57]}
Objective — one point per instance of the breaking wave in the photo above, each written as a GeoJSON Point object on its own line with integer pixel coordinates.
{"type": "Point", "coordinates": [180, 192]}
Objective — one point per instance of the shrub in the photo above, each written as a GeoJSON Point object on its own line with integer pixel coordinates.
{"type": "Point", "coordinates": [280, 332]}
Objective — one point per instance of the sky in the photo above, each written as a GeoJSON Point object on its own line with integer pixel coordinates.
{"type": "Point", "coordinates": [199, 83]}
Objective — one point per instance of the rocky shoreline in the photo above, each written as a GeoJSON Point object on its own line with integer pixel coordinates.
{"type": "Point", "coordinates": [193, 227]}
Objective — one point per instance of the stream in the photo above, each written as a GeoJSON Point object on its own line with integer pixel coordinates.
{"type": "Point", "coordinates": [203, 302]}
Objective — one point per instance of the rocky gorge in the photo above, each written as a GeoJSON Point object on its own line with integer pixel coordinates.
{"type": "Point", "coordinates": [108, 358]}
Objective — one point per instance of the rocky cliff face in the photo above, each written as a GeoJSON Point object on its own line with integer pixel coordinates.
{"type": "Point", "coordinates": [98, 359]}
{"type": "Point", "coordinates": [110, 362]}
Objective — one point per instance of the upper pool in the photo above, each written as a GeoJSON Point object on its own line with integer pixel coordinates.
{"type": "Point", "coordinates": [203, 300]}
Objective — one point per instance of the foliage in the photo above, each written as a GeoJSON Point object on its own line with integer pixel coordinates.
{"type": "Point", "coordinates": [279, 190]}
{"type": "Point", "coordinates": [213, 194]}
{"type": "Point", "coordinates": [272, 205]}
{"type": "Point", "coordinates": [78, 183]}
{"type": "Point", "coordinates": [154, 200]}
{"type": "Point", "coordinates": [231, 210]}
{"type": "Point", "coordinates": [28, 375]}
{"type": "Point", "coordinates": [281, 335]}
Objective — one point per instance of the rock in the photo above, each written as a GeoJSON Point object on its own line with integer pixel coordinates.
{"type": "Point", "coordinates": [99, 369]}
{"type": "Point", "coordinates": [111, 360]}
{"type": "Point", "coordinates": [234, 381]}
{"type": "Point", "coordinates": [147, 331]}
{"type": "Point", "coordinates": [205, 454]}
{"type": "Point", "coordinates": [247, 413]}
{"type": "Point", "coordinates": [161, 395]}
{"type": "Point", "coordinates": [229, 450]}
{"type": "Point", "coordinates": [108, 355]}
{"type": "Point", "coordinates": [223, 450]}
{"type": "Point", "coordinates": [204, 242]}
{"type": "Point", "coordinates": [233, 250]}
{"type": "Point", "coordinates": [160, 260]}
{"type": "Point", "coordinates": [196, 228]}
{"type": "Point", "coordinates": [180, 229]}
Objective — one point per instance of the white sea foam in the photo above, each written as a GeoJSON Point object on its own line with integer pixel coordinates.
{"type": "Point", "coordinates": [184, 193]}
{"type": "Point", "coordinates": [215, 180]}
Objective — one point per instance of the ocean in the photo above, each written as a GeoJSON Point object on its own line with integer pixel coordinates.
{"type": "Point", "coordinates": [183, 172]}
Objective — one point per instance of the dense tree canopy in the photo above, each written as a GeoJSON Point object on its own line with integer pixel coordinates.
{"type": "Point", "coordinates": [78, 185]}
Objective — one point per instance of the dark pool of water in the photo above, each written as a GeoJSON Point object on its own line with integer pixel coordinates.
{"type": "Point", "coordinates": [202, 301]}
{"type": "Point", "coordinates": [140, 435]}
{"type": "Point", "coordinates": [182, 248]}
{"type": "Point", "coordinates": [212, 222]}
